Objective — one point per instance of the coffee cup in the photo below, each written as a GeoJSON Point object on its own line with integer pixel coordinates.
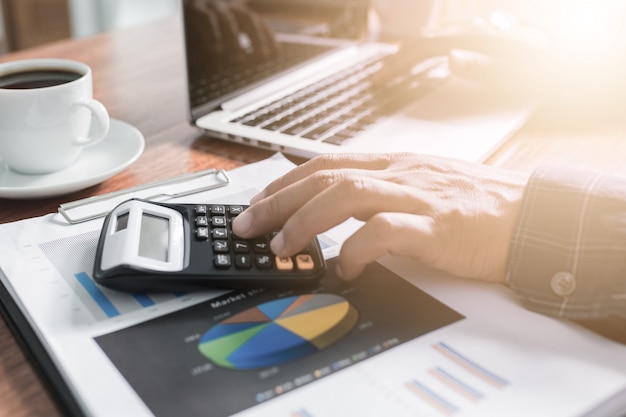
{"type": "Point", "coordinates": [47, 114]}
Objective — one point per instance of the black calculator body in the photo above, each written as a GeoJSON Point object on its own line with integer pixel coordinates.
{"type": "Point", "coordinates": [147, 246]}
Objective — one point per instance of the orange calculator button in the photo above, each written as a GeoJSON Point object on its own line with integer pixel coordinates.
{"type": "Point", "coordinates": [304, 262]}
{"type": "Point", "coordinates": [284, 263]}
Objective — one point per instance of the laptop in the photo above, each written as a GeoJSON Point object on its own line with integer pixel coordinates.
{"type": "Point", "coordinates": [317, 95]}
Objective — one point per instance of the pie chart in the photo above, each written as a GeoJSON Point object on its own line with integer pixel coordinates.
{"type": "Point", "coordinates": [278, 331]}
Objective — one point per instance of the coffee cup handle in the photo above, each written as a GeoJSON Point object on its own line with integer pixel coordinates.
{"type": "Point", "coordinates": [102, 123]}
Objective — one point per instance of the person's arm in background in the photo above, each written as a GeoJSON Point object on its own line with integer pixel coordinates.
{"type": "Point", "coordinates": [569, 53]}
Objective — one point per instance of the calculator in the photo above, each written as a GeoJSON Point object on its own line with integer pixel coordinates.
{"type": "Point", "coordinates": [151, 246]}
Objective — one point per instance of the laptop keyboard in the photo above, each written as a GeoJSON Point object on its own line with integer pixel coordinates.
{"type": "Point", "coordinates": [337, 108]}
{"type": "Point", "coordinates": [218, 85]}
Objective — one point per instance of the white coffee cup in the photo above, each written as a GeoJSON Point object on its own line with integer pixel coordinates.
{"type": "Point", "coordinates": [44, 124]}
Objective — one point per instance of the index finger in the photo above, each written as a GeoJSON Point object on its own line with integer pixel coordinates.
{"type": "Point", "coordinates": [321, 163]}
{"type": "Point", "coordinates": [350, 196]}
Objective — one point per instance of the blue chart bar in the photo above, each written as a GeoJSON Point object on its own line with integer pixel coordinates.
{"type": "Point", "coordinates": [452, 389]}
{"type": "Point", "coordinates": [73, 257]}
{"type": "Point", "coordinates": [121, 303]}
{"type": "Point", "coordinates": [301, 413]}
{"type": "Point", "coordinates": [456, 384]}
{"type": "Point", "coordinates": [471, 366]}
{"type": "Point", "coordinates": [97, 295]}
{"type": "Point", "coordinates": [144, 300]}
{"type": "Point", "coordinates": [434, 399]}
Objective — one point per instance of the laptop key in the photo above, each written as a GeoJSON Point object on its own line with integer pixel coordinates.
{"type": "Point", "coordinates": [277, 125]}
{"type": "Point", "coordinates": [297, 129]}
{"type": "Point", "coordinates": [336, 139]}
{"type": "Point", "coordinates": [320, 131]}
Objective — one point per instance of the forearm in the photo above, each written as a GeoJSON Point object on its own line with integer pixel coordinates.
{"type": "Point", "coordinates": [568, 252]}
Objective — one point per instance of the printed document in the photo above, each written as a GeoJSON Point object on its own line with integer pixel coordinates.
{"type": "Point", "coordinates": [401, 340]}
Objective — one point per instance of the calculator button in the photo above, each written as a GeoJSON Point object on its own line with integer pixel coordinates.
{"type": "Point", "coordinates": [202, 221]}
{"type": "Point", "coordinates": [235, 210]}
{"type": "Point", "coordinates": [222, 261]}
{"type": "Point", "coordinates": [220, 246]}
{"type": "Point", "coordinates": [284, 263]}
{"type": "Point", "coordinates": [219, 233]}
{"type": "Point", "coordinates": [243, 261]}
{"type": "Point", "coordinates": [261, 246]}
{"type": "Point", "coordinates": [263, 261]}
{"type": "Point", "coordinates": [202, 233]}
{"type": "Point", "coordinates": [304, 262]}
{"type": "Point", "coordinates": [217, 210]}
{"type": "Point", "coordinates": [240, 246]}
{"type": "Point", "coordinates": [200, 210]}
{"type": "Point", "coordinates": [218, 221]}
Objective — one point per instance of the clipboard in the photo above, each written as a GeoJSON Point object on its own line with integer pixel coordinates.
{"type": "Point", "coordinates": [34, 350]}
{"type": "Point", "coordinates": [215, 179]}
{"type": "Point", "coordinates": [241, 182]}
{"type": "Point", "coordinates": [20, 327]}
{"type": "Point", "coordinates": [485, 352]}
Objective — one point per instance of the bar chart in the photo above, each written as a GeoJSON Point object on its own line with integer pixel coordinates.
{"type": "Point", "coordinates": [456, 377]}
{"type": "Point", "coordinates": [73, 258]}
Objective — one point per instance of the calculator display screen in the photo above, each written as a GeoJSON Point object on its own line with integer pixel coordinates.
{"type": "Point", "coordinates": [154, 237]}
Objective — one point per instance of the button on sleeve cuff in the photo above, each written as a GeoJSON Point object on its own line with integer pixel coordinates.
{"type": "Point", "coordinates": [568, 251]}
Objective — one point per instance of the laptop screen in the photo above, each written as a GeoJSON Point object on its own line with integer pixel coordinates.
{"type": "Point", "coordinates": [232, 50]}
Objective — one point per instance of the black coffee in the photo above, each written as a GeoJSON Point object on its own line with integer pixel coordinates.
{"type": "Point", "coordinates": [37, 79]}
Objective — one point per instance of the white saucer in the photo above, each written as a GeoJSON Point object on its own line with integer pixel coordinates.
{"type": "Point", "coordinates": [122, 146]}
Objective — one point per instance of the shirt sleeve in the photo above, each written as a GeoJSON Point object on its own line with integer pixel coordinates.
{"type": "Point", "coordinates": [568, 251]}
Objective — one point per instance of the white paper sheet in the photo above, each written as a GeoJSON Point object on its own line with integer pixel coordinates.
{"type": "Point", "coordinates": [499, 360]}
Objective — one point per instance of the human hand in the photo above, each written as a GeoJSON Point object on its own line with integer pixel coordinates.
{"type": "Point", "coordinates": [506, 64]}
{"type": "Point", "coordinates": [452, 215]}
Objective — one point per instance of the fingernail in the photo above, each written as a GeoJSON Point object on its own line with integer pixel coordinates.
{"type": "Point", "coordinates": [278, 243]}
{"type": "Point", "coordinates": [242, 224]}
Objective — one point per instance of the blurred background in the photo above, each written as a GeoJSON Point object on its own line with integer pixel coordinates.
{"type": "Point", "coordinates": [28, 23]}
{"type": "Point", "coordinates": [581, 28]}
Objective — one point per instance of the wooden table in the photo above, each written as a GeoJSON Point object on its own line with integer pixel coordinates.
{"type": "Point", "coordinates": [139, 76]}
